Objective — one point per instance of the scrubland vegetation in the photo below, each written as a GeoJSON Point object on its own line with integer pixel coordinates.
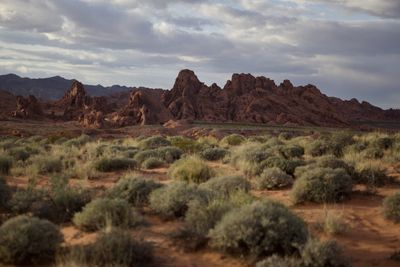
{"type": "Point", "coordinates": [216, 189]}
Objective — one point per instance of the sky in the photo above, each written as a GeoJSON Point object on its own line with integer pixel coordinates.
{"type": "Point", "coordinates": [347, 48]}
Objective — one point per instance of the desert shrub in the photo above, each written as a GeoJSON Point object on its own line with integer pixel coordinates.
{"type": "Point", "coordinates": [273, 178]}
{"type": "Point", "coordinates": [19, 154]}
{"type": "Point", "coordinates": [373, 152]}
{"type": "Point", "coordinates": [391, 207]}
{"type": "Point", "coordinates": [186, 144]}
{"type": "Point", "coordinates": [5, 193]}
{"type": "Point", "coordinates": [28, 240]}
{"type": "Point", "coordinates": [292, 151]}
{"type": "Point", "coordinates": [226, 185]}
{"type": "Point", "coordinates": [249, 158]}
{"type": "Point", "coordinates": [141, 156]}
{"type": "Point", "coordinates": [136, 190]}
{"type": "Point", "coordinates": [190, 169]}
{"type": "Point", "coordinates": [318, 148]}
{"type": "Point", "coordinates": [78, 141]}
{"type": "Point", "coordinates": [5, 165]}
{"type": "Point", "coordinates": [322, 254]}
{"type": "Point", "coordinates": [232, 140]}
{"type": "Point", "coordinates": [286, 165]}
{"type": "Point", "coordinates": [130, 153]}
{"type": "Point", "coordinates": [102, 212]}
{"type": "Point", "coordinates": [259, 138]}
{"type": "Point", "coordinates": [112, 248]}
{"type": "Point", "coordinates": [383, 143]}
{"type": "Point", "coordinates": [214, 153]}
{"type": "Point", "coordinates": [172, 200]}
{"type": "Point", "coordinates": [115, 164]}
{"type": "Point", "coordinates": [23, 199]}
{"type": "Point", "coordinates": [67, 199]}
{"type": "Point", "coordinates": [372, 175]}
{"type": "Point", "coordinates": [152, 163]}
{"type": "Point", "coordinates": [169, 153]}
{"type": "Point", "coordinates": [153, 142]}
{"type": "Point", "coordinates": [322, 185]}
{"type": "Point", "coordinates": [277, 261]}
{"type": "Point", "coordinates": [260, 229]}
{"type": "Point", "coordinates": [332, 223]}
{"type": "Point", "coordinates": [330, 161]}
{"type": "Point", "coordinates": [47, 164]}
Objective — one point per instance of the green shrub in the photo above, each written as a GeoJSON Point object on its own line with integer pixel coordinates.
{"type": "Point", "coordinates": [115, 164]}
{"type": "Point", "coordinates": [214, 153]}
{"type": "Point", "coordinates": [373, 152]}
{"type": "Point", "coordinates": [190, 169]}
{"type": "Point", "coordinates": [273, 178]}
{"type": "Point", "coordinates": [322, 254]}
{"type": "Point", "coordinates": [23, 199]}
{"type": "Point", "coordinates": [383, 143]}
{"type": "Point", "coordinates": [249, 158]}
{"type": "Point", "coordinates": [227, 185]}
{"type": "Point", "coordinates": [46, 164]}
{"type": "Point", "coordinates": [27, 240]}
{"type": "Point", "coordinates": [5, 193]}
{"type": "Point", "coordinates": [113, 248]}
{"type": "Point", "coordinates": [260, 229]}
{"type": "Point", "coordinates": [318, 148]}
{"type": "Point", "coordinates": [186, 144]}
{"type": "Point", "coordinates": [136, 190]}
{"type": "Point", "coordinates": [232, 140]}
{"type": "Point", "coordinates": [5, 165]}
{"type": "Point", "coordinates": [288, 166]}
{"type": "Point", "coordinates": [152, 163]}
{"type": "Point", "coordinates": [169, 153]}
{"type": "Point", "coordinates": [292, 151]}
{"type": "Point", "coordinates": [67, 199]}
{"type": "Point", "coordinates": [103, 212]}
{"type": "Point", "coordinates": [153, 142]}
{"type": "Point", "coordinates": [322, 185]}
{"type": "Point", "coordinates": [391, 207]}
{"type": "Point", "coordinates": [19, 154]}
{"type": "Point", "coordinates": [372, 176]}
{"type": "Point", "coordinates": [172, 200]}
{"type": "Point", "coordinates": [277, 261]}
{"type": "Point", "coordinates": [141, 156]}
{"type": "Point", "coordinates": [333, 162]}
{"type": "Point", "coordinates": [332, 224]}
{"type": "Point", "coordinates": [78, 141]}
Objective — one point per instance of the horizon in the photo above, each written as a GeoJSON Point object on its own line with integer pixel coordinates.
{"type": "Point", "coordinates": [348, 48]}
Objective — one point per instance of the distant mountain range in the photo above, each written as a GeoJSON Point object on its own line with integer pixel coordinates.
{"type": "Point", "coordinates": [51, 88]}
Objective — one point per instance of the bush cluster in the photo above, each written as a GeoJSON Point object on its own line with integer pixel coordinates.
{"type": "Point", "coordinates": [135, 190]}
{"type": "Point", "coordinates": [190, 169]}
{"type": "Point", "coordinates": [115, 164]}
{"type": "Point", "coordinates": [260, 229]}
{"type": "Point", "coordinates": [232, 140]}
{"type": "Point", "coordinates": [28, 240]}
{"type": "Point", "coordinates": [152, 163]}
{"type": "Point", "coordinates": [214, 153]}
{"type": "Point", "coordinates": [100, 213]}
{"type": "Point", "coordinates": [273, 178]}
{"type": "Point", "coordinates": [226, 185]}
{"type": "Point", "coordinates": [321, 185]}
{"type": "Point", "coordinates": [153, 142]}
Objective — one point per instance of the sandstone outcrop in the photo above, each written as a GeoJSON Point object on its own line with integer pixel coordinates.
{"type": "Point", "coordinates": [28, 107]}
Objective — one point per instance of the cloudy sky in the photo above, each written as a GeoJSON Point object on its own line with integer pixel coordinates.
{"type": "Point", "coordinates": [348, 48]}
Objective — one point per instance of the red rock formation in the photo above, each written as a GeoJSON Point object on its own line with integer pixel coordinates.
{"type": "Point", "coordinates": [27, 107]}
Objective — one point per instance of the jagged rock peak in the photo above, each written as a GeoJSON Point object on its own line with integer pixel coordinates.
{"type": "Point", "coordinates": [76, 89]}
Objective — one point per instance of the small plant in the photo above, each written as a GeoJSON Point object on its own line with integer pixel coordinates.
{"type": "Point", "coordinates": [322, 254]}
{"type": "Point", "coordinates": [226, 185]}
{"type": "Point", "coordinates": [260, 229]}
{"type": "Point", "coordinates": [288, 166]}
{"type": "Point", "coordinates": [190, 169]}
{"type": "Point", "coordinates": [136, 190]}
{"type": "Point", "coordinates": [333, 223]}
{"type": "Point", "coordinates": [232, 140]}
{"type": "Point", "coordinates": [112, 248]}
{"type": "Point", "coordinates": [372, 176]}
{"type": "Point", "coordinates": [152, 163]}
{"type": "Point", "coordinates": [78, 141]}
{"type": "Point", "coordinates": [172, 200]}
{"type": "Point", "coordinates": [391, 207]}
{"type": "Point", "coordinates": [322, 185]}
{"type": "Point", "coordinates": [28, 240]}
{"type": "Point", "coordinates": [102, 212]}
{"type": "Point", "coordinates": [115, 164]}
{"type": "Point", "coordinates": [318, 148]}
{"type": "Point", "coordinates": [153, 142]}
{"type": "Point", "coordinates": [273, 178]}
{"type": "Point", "coordinates": [214, 153]}
{"type": "Point", "coordinates": [46, 165]}
{"type": "Point", "coordinates": [5, 165]}
{"type": "Point", "coordinates": [292, 151]}
{"type": "Point", "coordinates": [186, 144]}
